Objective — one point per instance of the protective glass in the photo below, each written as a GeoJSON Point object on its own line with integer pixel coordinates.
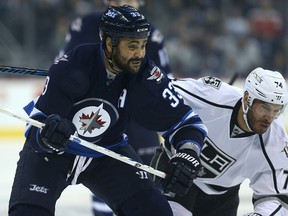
{"type": "Point", "coordinates": [263, 108]}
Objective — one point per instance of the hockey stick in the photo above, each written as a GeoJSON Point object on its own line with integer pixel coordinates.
{"type": "Point", "coordinates": [40, 72]}
{"type": "Point", "coordinates": [21, 70]}
{"type": "Point", "coordinates": [92, 146]}
{"type": "Point", "coordinates": [233, 79]}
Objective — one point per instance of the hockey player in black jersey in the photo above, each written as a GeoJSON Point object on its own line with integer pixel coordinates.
{"type": "Point", "coordinates": [93, 91]}
{"type": "Point", "coordinates": [246, 140]}
{"type": "Point", "coordinates": [86, 30]}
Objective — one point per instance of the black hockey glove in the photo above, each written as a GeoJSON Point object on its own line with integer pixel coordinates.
{"type": "Point", "coordinates": [55, 134]}
{"type": "Point", "coordinates": [182, 169]}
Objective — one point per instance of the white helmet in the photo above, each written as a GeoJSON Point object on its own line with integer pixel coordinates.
{"type": "Point", "coordinates": [268, 86]}
{"type": "Point", "coordinates": [265, 85]}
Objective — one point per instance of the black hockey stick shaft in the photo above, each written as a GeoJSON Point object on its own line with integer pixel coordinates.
{"type": "Point", "coordinates": [21, 70]}
{"type": "Point", "coordinates": [233, 79]}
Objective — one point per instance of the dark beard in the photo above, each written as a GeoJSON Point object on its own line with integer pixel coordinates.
{"type": "Point", "coordinates": [124, 67]}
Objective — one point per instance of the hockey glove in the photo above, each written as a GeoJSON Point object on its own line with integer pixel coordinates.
{"type": "Point", "coordinates": [55, 134]}
{"type": "Point", "coordinates": [182, 169]}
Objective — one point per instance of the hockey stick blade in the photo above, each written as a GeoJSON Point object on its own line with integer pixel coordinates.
{"type": "Point", "coordinates": [21, 70]}
{"type": "Point", "coordinates": [92, 146]}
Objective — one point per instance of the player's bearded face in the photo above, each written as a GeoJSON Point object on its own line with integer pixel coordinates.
{"type": "Point", "coordinates": [129, 54]}
{"type": "Point", "coordinates": [261, 115]}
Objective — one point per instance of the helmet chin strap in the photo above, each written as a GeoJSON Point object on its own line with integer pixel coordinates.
{"type": "Point", "coordinates": [110, 60]}
{"type": "Point", "coordinates": [245, 111]}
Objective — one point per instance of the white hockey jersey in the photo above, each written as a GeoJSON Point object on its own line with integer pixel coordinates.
{"type": "Point", "coordinates": [230, 155]}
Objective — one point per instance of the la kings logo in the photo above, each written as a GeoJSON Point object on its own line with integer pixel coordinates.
{"type": "Point", "coordinates": [214, 160]}
{"type": "Point", "coordinates": [212, 81]}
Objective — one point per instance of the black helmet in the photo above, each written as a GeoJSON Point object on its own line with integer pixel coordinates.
{"type": "Point", "coordinates": [123, 21]}
{"type": "Point", "coordinates": [118, 2]}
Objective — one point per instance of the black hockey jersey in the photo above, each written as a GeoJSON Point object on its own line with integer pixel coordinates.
{"type": "Point", "coordinates": [78, 88]}
{"type": "Point", "coordinates": [86, 30]}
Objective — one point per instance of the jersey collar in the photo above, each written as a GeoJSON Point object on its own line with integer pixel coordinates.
{"type": "Point", "coordinates": [235, 130]}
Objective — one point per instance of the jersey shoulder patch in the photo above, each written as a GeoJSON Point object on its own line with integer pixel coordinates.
{"type": "Point", "coordinates": [155, 74]}
{"type": "Point", "coordinates": [212, 81]}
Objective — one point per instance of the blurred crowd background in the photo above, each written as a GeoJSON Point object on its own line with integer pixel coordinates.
{"type": "Point", "coordinates": [203, 37]}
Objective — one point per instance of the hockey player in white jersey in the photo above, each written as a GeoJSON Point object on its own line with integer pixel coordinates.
{"type": "Point", "coordinates": [245, 141]}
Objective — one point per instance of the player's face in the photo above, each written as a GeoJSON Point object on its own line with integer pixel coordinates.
{"type": "Point", "coordinates": [261, 115]}
{"type": "Point", "coordinates": [129, 53]}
